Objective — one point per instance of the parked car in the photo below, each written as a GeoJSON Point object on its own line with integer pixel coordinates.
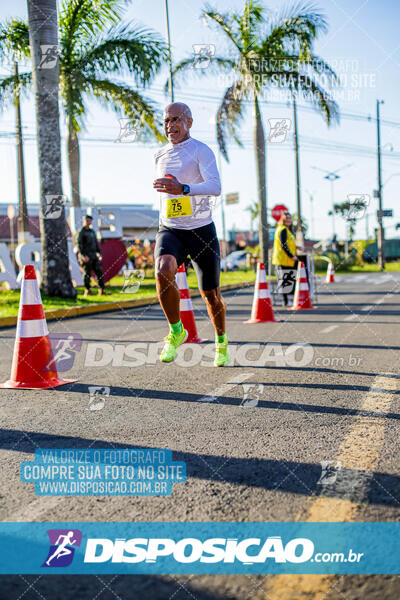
{"type": "Point", "coordinates": [234, 260]}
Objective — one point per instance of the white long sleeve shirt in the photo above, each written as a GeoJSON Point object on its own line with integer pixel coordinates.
{"type": "Point", "coordinates": [193, 163]}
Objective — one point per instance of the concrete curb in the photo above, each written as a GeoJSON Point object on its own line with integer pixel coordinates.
{"type": "Point", "coordinates": [79, 311]}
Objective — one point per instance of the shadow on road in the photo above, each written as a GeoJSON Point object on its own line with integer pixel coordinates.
{"type": "Point", "coordinates": [276, 475]}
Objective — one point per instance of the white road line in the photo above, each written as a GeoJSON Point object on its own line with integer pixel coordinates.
{"type": "Point", "coordinates": [380, 301]}
{"type": "Point", "coordinates": [350, 317]}
{"type": "Point", "coordinates": [329, 329]}
{"type": "Point", "coordinates": [366, 308]}
{"type": "Point", "coordinates": [225, 387]}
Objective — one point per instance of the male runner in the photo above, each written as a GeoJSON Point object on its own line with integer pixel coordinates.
{"type": "Point", "coordinates": [187, 176]}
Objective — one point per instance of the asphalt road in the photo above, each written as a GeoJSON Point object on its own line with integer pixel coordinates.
{"type": "Point", "coordinates": [319, 385]}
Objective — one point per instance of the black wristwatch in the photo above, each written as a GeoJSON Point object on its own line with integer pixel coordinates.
{"type": "Point", "coordinates": [186, 189]}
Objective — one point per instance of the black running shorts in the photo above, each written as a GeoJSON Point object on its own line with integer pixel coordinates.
{"type": "Point", "coordinates": [201, 244]}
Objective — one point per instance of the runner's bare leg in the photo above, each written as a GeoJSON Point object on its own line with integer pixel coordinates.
{"type": "Point", "coordinates": [216, 308]}
{"type": "Point", "coordinates": [167, 291]}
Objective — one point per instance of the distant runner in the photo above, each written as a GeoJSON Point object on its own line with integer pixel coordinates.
{"type": "Point", "coordinates": [187, 177]}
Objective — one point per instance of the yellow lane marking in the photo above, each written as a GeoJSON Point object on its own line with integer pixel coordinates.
{"type": "Point", "coordinates": [359, 450]}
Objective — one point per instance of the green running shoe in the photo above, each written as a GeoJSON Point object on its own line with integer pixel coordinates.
{"type": "Point", "coordinates": [172, 343]}
{"type": "Point", "coordinates": [221, 354]}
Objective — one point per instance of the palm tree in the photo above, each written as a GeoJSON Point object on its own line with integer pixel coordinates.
{"type": "Point", "coordinates": [14, 45]}
{"type": "Point", "coordinates": [268, 51]}
{"type": "Point", "coordinates": [56, 277]}
{"type": "Point", "coordinates": [87, 59]}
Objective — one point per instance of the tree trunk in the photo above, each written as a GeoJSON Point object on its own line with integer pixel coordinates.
{"type": "Point", "coordinates": [74, 164]}
{"type": "Point", "coordinates": [23, 219]}
{"type": "Point", "coordinates": [259, 145]}
{"type": "Point", "coordinates": [56, 276]}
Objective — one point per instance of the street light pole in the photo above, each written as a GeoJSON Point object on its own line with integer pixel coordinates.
{"type": "Point", "coordinates": [381, 232]}
{"type": "Point", "coordinates": [299, 231]}
{"type": "Point", "coordinates": [332, 180]}
{"type": "Point", "coordinates": [332, 176]}
{"type": "Point", "coordinates": [311, 197]}
{"type": "Point", "coordinates": [170, 79]}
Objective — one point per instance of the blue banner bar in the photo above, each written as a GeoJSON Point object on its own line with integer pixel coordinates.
{"type": "Point", "coordinates": [212, 548]}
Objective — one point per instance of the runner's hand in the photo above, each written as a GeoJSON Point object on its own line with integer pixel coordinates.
{"type": "Point", "coordinates": [85, 259]}
{"type": "Point", "coordinates": [168, 185]}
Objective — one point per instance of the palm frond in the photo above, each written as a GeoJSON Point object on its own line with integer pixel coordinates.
{"type": "Point", "coordinates": [80, 19]}
{"type": "Point", "coordinates": [126, 101]}
{"type": "Point", "coordinates": [229, 116]}
{"type": "Point", "coordinates": [313, 93]}
{"type": "Point", "coordinates": [187, 67]}
{"type": "Point", "coordinates": [10, 85]}
{"type": "Point", "coordinates": [297, 26]}
{"type": "Point", "coordinates": [125, 49]}
{"type": "Point", "coordinates": [249, 23]}
{"type": "Point", "coordinates": [321, 67]}
{"type": "Point", "coordinates": [14, 39]}
{"type": "Point", "coordinates": [225, 21]}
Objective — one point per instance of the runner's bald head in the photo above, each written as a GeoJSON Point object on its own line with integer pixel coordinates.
{"type": "Point", "coordinates": [177, 122]}
{"type": "Point", "coordinates": [178, 108]}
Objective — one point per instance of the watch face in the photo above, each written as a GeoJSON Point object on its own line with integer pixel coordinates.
{"type": "Point", "coordinates": [186, 189]}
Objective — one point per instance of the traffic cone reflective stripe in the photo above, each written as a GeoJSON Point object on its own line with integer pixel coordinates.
{"type": "Point", "coordinates": [181, 280]}
{"type": "Point", "coordinates": [32, 328]}
{"type": "Point", "coordinates": [330, 274]}
{"type": "Point", "coordinates": [261, 311]}
{"type": "Point", "coordinates": [302, 298]}
{"type": "Point", "coordinates": [186, 307]}
{"type": "Point", "coordinates": [33, 353]}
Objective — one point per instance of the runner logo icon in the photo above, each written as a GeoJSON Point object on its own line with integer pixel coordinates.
{"type": "Point", "coordinates": [62, 547]}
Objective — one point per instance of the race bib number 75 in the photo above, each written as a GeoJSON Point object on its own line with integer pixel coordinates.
{"type": "Point", "coordinates": [179, 206]}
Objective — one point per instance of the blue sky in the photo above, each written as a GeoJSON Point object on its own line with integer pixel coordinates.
{"type": "Point", "coordinates": [362, 45]}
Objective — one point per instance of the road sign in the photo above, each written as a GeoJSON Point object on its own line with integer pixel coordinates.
{"type": "Point", "coordinates": [384, 213]}
{"type": "Point", "coordinates": [232, 198]}
{"type": "Point", "coordinates": [278, 210]}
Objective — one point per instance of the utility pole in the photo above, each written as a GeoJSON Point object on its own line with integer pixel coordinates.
{"type": "Point", "coordinates": [170, 79]}
{"type": "Point", "coordinates": [381, 232]}
{"type": "Point", "coordinates": [299, 231]}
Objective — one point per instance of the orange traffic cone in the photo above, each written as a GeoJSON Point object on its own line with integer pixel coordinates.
{"type": "Point", "coordinates": [330, 274]}
{"type": "Point", "coordinates": [302, 298]}
{"type": "Point", "coordinates": [33, 353]}
{"type": "Point", "coordinates": [186, 308]}
{"type": "Point", "coordinates": [262, 311]}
